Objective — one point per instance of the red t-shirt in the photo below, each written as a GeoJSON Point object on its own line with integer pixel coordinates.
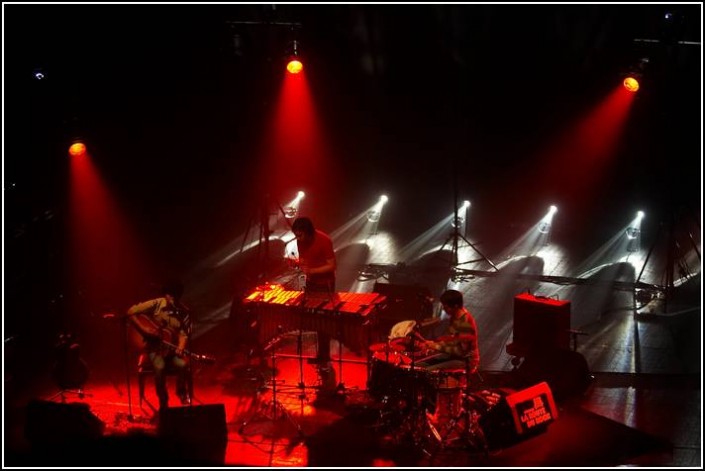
{"type": "Point", "coordinates": [314, 255]}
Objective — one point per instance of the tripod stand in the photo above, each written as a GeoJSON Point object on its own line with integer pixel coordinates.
{"type": "Point", "coordinates": [455, 236]}
{"type": "Point", "coordinates": [676, 243]}
{"type": "Point", "coordinates": [273, 407]}
{"type": "Point", "coordinates": [70, 371]}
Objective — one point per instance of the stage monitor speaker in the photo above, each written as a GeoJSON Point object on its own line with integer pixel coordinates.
{"type": "Point", "coordinates": [194, 435]}
{"type": "Point", "coordinates": [541, 323]}
{"type": "Point", "coordinates": [519, 415]}
{"type": "Point", "coordinates": [565, 371]}
{"type": "Point", "coordinates": [52, 422]}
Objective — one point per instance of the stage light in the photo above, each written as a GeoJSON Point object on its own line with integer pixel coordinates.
{"type": "Point", "coordinates": [546, 223]}
{"type": "Point", "coordinates": [631, 84]}
{"type": "Point", "coordinates": [633, 233]}
{"type": "Point", "coordinates": [635, 75]}
{"type": "Point", "coordinates": [77, 149]}
{"type": "Point", "coordinates": [373, 215]}
{"type": "Point", "coordinates": [634, 228]}
{"type": "Point", "coordinates": [294, 65]}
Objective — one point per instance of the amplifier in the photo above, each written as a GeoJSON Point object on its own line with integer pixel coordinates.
{"type": "Point", "coordinates": [541, 323]}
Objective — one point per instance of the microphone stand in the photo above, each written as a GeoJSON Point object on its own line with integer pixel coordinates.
{"type": "Point", "coordinates": [300, 347]}
{"type": "Point", "coordinates": [278, 410]}
{"type": "Point", "coordinates": [125, 320]}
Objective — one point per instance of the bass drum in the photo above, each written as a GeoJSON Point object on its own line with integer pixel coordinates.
{"type": "Point", "coordinates": [393, 381]}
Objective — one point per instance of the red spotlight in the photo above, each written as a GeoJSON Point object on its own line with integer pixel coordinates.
{"type": "Point", "coordinates": [631, 84]}
{"type": "Point", "coordinates": [294, 66]}
{"type": "Point", "coordinates": [77, 149]}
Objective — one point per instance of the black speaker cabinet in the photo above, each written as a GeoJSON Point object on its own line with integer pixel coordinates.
{"type": "Point", "coordinates": [541, 323]}
{"type": "Point", "coordinates": [519, 415]}
{"type": "Point", "coordinates": [194, 434]}
{"type": "Point", "coordinates": [54, 423]}
{"type": "Point", "coordinates": [565, 371]}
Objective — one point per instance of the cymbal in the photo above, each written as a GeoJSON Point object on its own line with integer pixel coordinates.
{"type": "Point", "coordinates": [384, 347]}
{"type": "Point", "coordinates": [407, 345]}
{"type": "Point", "coordinates": [392, 357]}
{"type": "Point", "coordinates": [455, 338]}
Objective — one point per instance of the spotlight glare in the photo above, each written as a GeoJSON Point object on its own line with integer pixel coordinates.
{"type": "Point", "coordinates": [77, 149]}
{"type": "Point", "coordinates": [294, 66]}
{"type": "Point", "coordinates": [383, 199]}
{"type": "Point", "coordinates": [631, 84]}
{"type": "Point", "coordinates": [300, 194]}
{"type": "Point", "coordinates": [373, 215]}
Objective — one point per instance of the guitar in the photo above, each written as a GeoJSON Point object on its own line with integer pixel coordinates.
{"type": "Point", "coordinates": [151, 331]}
{"type": "Point", "coordinates": [200, 358]}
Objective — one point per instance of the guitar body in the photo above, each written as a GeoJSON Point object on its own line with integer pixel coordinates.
{"type": "Point", "coordinates": [153, 335]}
{"type": "Point", "coordinates": [162, 339]}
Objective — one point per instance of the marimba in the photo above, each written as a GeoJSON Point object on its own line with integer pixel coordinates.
{"type": "Point", "coordinates": [348, 317]}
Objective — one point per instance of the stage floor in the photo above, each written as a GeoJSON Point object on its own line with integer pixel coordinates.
{"type": "Point", "coordinates": [319, 421]}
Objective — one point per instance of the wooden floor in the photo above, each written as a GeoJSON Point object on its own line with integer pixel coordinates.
{"type": "Point", "coordinates": [642, 405]}
{"type": "Point", "coordinates": [656, 418]}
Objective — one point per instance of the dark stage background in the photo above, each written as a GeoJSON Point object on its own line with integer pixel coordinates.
{"type": "Point", "coordinates": [174, 102]}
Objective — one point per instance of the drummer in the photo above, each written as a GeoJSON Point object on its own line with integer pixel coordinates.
{"type": "Point", "coordinates": [458, 344]}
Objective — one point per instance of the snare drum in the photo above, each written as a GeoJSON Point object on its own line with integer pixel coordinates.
{"type": "Point", "coordinates": [449, 385]}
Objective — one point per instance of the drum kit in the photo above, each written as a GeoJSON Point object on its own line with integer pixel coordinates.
{"type": "Point", "coordinates": [431, 410]}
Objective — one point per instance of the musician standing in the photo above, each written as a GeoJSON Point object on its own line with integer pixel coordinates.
{"type": "Point", "coordinates": [165, 324]}
{"type": "Point", "coordinates": [317, 261]}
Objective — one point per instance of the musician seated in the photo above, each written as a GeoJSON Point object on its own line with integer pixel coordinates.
{"type": "Point", "coordinates": [457, 347]}
{"type": "Point", "coordinates": [165, 325]}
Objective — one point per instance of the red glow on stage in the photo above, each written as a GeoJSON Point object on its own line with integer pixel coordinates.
{"type": "Point", "coordinates": [296, 155]}
{"type": "Point", "coordinates": [597, 137]}
{"type": "Point", "coordinates": [579, 164]}
{"type": "Point", "coordinates": [103, 256]}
